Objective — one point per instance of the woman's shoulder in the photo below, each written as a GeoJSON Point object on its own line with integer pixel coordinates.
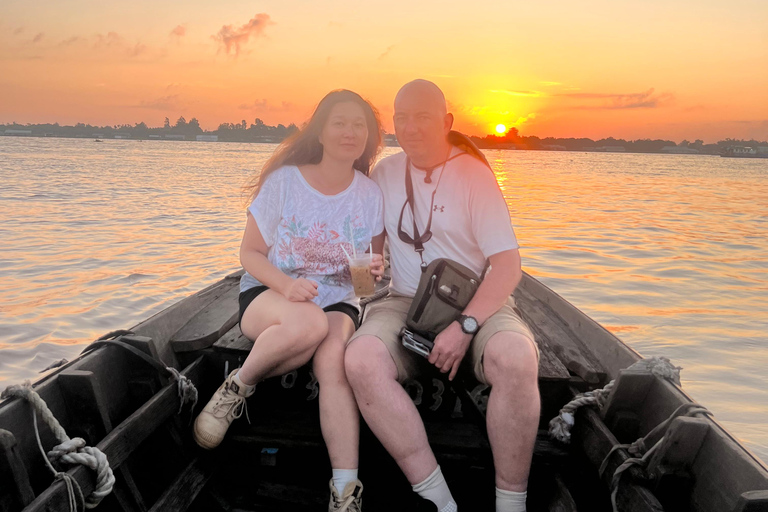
{"type": "Point", "coordinates": [367, 185]}
{"type": "Point", "coordinates": [283, 172]}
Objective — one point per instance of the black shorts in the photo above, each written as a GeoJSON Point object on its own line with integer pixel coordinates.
{"type": "Point", "coordinates": [248, 295]}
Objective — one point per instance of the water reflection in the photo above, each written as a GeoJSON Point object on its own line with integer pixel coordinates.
{"type": "Point", "coordinates": [669, 252]}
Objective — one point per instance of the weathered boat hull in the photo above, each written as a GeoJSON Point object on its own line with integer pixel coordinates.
{"type": "Point", "coordinates": [118, 402]}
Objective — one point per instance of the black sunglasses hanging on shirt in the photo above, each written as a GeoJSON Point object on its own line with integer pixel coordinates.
{"type": "Point", "coordinates": [418, 240]}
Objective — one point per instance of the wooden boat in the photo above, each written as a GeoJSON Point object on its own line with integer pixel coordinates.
{"type": "Point", "coordinates": [125, 403]}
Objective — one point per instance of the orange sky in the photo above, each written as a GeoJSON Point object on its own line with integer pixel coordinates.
{"type": "Point", "coordinates": [677, 69]}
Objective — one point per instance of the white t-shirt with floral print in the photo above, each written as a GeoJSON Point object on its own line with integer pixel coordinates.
{"type": "Point", "coordinates": [306, 230]}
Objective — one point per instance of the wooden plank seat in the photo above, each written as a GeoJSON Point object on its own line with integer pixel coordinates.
{"type": "Point", "coordinates": [207, 326]}
{"type": "Point", "coordinates": [550, 366]}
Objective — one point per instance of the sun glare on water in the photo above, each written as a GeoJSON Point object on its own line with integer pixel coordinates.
{"type": "Point", "coordinates": [501, 129]}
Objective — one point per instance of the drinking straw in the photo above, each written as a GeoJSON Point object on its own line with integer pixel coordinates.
{"type": "Point", "coordinates": [354, 251]}
{"type": "Point", "coordinates": [370, 251]}
{"type": "Point", "coordinates": [345, 251]}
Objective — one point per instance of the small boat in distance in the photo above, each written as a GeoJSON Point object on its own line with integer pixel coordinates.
{"type": "Point", "coordinates": [97, 140]}
{"type": "Point", "coordinates": [645, 447]}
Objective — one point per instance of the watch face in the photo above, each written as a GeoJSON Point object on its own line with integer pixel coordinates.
{"type": "Point", "coordinates": [470, 324]}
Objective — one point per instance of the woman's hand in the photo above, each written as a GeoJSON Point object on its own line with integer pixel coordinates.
{"type": "Point", "coordinates": [300, 290]}
{"type": "Point", "coordinates": [377, 266]}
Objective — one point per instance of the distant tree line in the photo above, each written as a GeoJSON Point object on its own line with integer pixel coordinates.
{"type": "Point", "coordinates": [258, 131]}
{"type": "Point", "coordinates": [513, 140]}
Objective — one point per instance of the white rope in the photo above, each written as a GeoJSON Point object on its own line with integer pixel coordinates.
{"type": "Point", "coordinates": [560, 426]}
{"type": "Point", "coordinates": [72, 451]}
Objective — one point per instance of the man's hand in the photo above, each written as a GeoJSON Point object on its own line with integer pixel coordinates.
{"type": "Point", "coordinates": [449, 350]}
{"type": "Point", "coordinates": [300, 290]}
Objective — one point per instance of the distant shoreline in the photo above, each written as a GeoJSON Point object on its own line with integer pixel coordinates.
{"type": "Point", "coordinates": [726, 148]}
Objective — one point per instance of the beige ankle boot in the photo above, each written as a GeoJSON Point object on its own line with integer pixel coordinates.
{"type": "Point", "coordinates": [349, 501]}
{"type": "Point", "coordinates": [224, 407]}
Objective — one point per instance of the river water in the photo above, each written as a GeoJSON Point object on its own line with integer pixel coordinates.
{"type": "Point", "coordinates": [669, 252]}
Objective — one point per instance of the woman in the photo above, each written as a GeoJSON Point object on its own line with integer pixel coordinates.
{"type": "Point", "coordinates": [313, 202]}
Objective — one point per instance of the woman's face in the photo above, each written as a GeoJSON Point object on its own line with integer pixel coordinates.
{"type": "Point", "coordinates": [345, 133]}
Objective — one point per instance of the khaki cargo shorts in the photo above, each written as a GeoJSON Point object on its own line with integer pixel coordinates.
{"type": "Point", "coordinates": [384, 319]}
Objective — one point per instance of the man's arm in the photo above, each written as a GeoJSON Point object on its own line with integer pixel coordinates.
{"type": "Point", "coordinates": [452, 343]}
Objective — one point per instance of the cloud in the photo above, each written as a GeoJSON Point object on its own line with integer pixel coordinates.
{"type": "Point", "coordinates": [386, 52]}
{"type": "Point", "coordinates": [621, 101]}
{"type": "Point", "coordinates": [114, 41]}
{"type": "Point", "coordinates": [170, 102]}
{"type": "Point", "coordinates": [38, 38]}
{"type": "Point", "coordinates": [231, 38]}
{"type": "Point", "coordinates": [529, 94]}
{"type": "Point", "coordinates": [263, 105]}
{"type": "Point", "coordinates": [72, 40]}
{"type": "Point", "coordinates": [137, 50]}
{"type": "Point", "coordinates": [18, 31]}
{"type": "Point", "coordinates": [110, 40]}
{"type": "Point", "coordinates": [550, 84]}
{"type": "Point", "coordinates": [179, 31]}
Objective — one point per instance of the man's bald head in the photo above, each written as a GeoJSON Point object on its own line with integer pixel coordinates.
{"type": "Point", "coordinates": [422, 122]}
{"type": "Point", "coordinates": [425, 92]}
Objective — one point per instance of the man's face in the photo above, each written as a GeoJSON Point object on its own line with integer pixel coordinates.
{"type": "Point", "coordinates": [421, 125]}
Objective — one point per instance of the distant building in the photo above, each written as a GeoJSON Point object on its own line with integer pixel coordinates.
{"type": "Point", "coordinates": [741, 151]}
{"type": "Point", "coordinates": [554, 147]}
{"type": "Point", "coordinates": [98, 135]}
{"type": "Point", "coordinates": [155, 137]}
{"type": "Point", "coordinates": [123, 136]}
{"type": "Point", "coordinates": [745, 152]}
{"type": "Point", "coordinates": [18, 133]}
{"type": "Point", "coordinates": [207, 138]}
{"type": "Point", "coordinates": [611, 149]}
{"type": "Point", "coordinates": [679, 150]}
{"type": "Point", "coordinates": [172, 136]}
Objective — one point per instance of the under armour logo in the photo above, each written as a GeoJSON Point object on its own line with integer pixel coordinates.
{"type": "Point", "coordinates": [440, 209]}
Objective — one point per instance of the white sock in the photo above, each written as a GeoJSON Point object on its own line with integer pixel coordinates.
{"type": "Point", "coordinates": [434, 489]}
{"type": "Point", "coordinates": [247, 388]}
{"type": "Point", "coordinates": [341, 477]}
{"type": "Point", "coordinates": [510, 501]}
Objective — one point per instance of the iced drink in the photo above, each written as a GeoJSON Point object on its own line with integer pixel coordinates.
{"type": "Point", "coordinates": [362, 279]}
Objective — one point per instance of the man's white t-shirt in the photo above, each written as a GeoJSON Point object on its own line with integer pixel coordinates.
{"type": "Point", "coordinates": [306, 230]}
{"type": "Point", "coordinates": [470, 219]}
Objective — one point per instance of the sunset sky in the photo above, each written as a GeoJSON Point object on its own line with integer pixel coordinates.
{"type": "Point", "coordinates": [677, 69]}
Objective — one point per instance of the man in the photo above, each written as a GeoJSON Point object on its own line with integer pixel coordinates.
{"type": "Point", "coordinates": [470, 224]}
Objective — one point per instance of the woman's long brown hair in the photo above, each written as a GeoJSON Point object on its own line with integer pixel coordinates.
{"type": "Point", "coordinates": [303, 147]}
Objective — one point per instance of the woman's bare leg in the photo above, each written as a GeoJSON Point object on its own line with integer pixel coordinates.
{"type": "Point", "coordinates": [339, 416]}
{"type": "Point", "coordinates": [286, 334]}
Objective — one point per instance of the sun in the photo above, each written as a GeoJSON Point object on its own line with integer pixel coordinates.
{"type": "Point", "coordinates": [501, 129]}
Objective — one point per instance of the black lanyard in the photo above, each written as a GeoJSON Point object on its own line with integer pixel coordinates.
{"type": "Point", "coordinates": [418, 240]}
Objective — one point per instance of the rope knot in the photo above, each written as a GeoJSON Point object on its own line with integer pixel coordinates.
{"type": "Point", "coordinates": [65, 448]}
{"type": "Point", "coordinates": [186, 389]}
{"type": "Point", "coordinates": [71, 451]}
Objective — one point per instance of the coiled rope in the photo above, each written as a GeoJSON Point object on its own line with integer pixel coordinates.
{"type": "Point", "coordinates": [71, 451]}
{"type": "Point", "coordinates": [560, 426]}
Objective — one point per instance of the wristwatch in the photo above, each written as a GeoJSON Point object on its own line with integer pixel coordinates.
{"type": "Point", "coordinates": [469, 324]}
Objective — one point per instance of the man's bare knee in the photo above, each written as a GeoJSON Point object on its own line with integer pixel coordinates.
{"type": "Point", "coordinates": [366, 359]}
{"type": "Point", "coordinates": [510, 358]}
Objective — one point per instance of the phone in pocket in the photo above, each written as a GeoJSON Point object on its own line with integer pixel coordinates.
{"type": "Point", "coordinates": [415, 342]}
